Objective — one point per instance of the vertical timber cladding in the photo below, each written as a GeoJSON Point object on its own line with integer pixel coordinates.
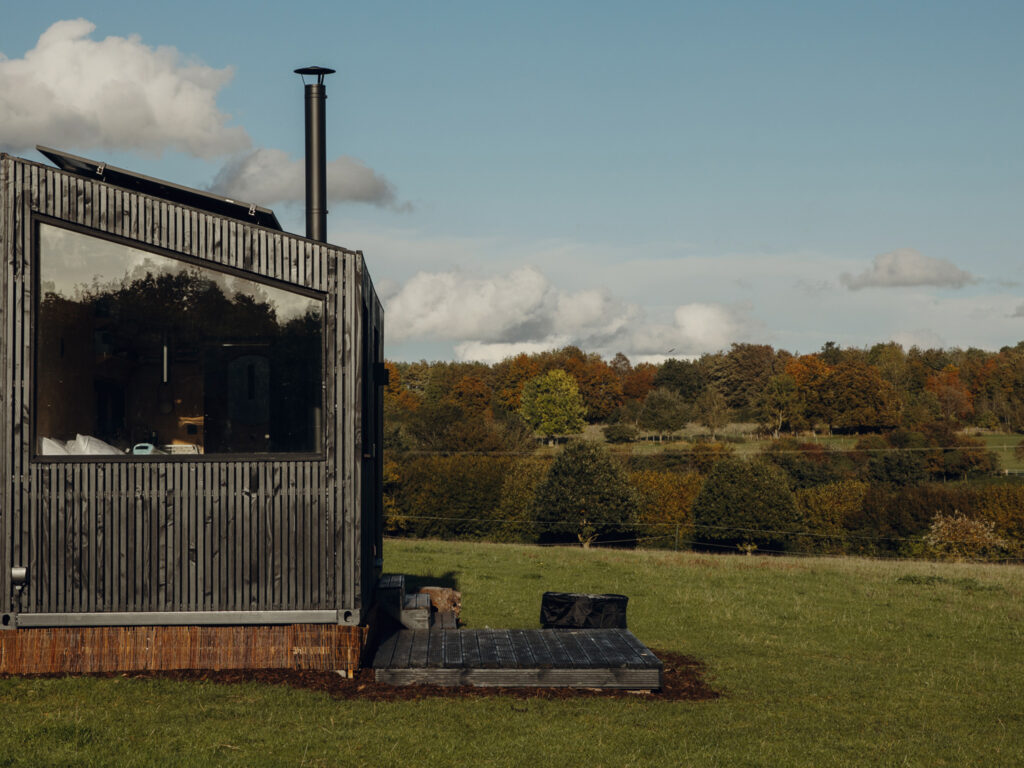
{"type": "Point", "coordinates": [124, 538]}
{"type": "Point", "coordinates": [7, 266]}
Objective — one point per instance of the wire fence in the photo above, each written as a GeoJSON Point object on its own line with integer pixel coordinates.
{"type": "Point", "coordinates": [675, 532]}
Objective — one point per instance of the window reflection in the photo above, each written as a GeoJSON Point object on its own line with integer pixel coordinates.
{"type": "Point", "coordinates": [143, 353]}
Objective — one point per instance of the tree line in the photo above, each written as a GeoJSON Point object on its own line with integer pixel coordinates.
{"type": "Point", "coordinates": [836, 389]}
{"type": "Point", "coordinates": [463, 458]}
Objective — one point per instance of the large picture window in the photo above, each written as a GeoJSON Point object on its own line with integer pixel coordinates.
{"type": "Point", "coordinates": [140, 353]}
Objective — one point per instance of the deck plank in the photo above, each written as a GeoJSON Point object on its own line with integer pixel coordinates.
{"type": "Point", "coordinates": [453, 655]}
{"type": "Point", "coordinates": [386, 652]}
{"type": "Point", "coordinates": [503, 646]}
{"type": "Point", "coordinates": [471, 650]}
{"type": "Point", "coordinates": [402, 650]}
{"type": "Point", "coordinates": [559, 655]}
{"type": "Point", "coordinates": [488, 651]}
{"type": "Point", "coordinates": [435, 648]}
{"type": "Point", "coordinates": [539, 648]}
{"type": "Point", "coordinates": [521, 649]}
{"type": "Point", "coordinates": [641, 650]}
{"type": "Point", "coordinates": [418, 654]}
{"type": "Point", "coordinates": [579, 657]}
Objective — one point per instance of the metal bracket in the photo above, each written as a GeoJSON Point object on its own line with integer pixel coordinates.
{"type": "Point", "coordinates": [252, 209]}
{"type": "Point", "coordinates": [101, 169]}
{"type": "Point", "coordinates": [19, 578]}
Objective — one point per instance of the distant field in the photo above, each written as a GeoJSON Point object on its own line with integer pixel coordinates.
{"type": "Point", "coordinates": [822, 662]}
{"type": "Point", "coordinates": [745, 442]}
{"type": "Point", "coordinates": [1002, 446]}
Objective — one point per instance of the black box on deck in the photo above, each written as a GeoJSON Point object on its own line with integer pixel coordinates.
{"type": "Point", "coordinates": [570, 610]}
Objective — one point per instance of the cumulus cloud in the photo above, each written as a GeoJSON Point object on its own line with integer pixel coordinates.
{"type": "Point", "coordinates": [491, 318]}
{"type": "Point", "coordinates": [72, 91]}
{"type": "Point", "coordinates": [521, 306]}
{"type": "Point", "coordinates": [272, 176]}
{"type": "Point", "coordinates": [905, 268]}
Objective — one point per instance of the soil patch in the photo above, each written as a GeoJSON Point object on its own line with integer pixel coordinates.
{"type": "Point", "coordinates": [682, 680]}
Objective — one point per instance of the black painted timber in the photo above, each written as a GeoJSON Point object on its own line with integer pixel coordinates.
{"type": "Point", "coordinates": [147, 537]}
{"type": "Point", "coordinates": [575, 658]}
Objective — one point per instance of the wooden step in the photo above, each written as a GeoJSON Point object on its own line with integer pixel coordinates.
{"type": "Point", "coordinates": [415, 613]}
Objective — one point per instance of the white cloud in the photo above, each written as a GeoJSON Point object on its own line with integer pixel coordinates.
{"type": "Point", "coordinates": [520, 306]}
{"type": "Point", "coordinates": [907, 267]}
{"type": "Point", "coordinates": [271, 176]}
{"type": "Point", "coordinates": [490, 318]}
{"type": "Point", "coordinates": [72, 91]}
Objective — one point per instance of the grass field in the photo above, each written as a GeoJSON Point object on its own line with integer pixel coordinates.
{"type": "Point", "coordinates": [822, 662]}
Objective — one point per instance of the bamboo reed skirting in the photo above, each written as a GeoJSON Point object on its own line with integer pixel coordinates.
{"type": "Point", "coordinates": [132, 649]}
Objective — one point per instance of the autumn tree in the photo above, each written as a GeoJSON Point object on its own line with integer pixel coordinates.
{"type": "Point", "coordinates": [860, 398]}
{"type": "Point", "coordinates": [955, 400]}
{"type": "Point", "coordinates": [740, 374]}
{"type": "Point", "coordinates": [551, 404]}
{"type": "Point", "coordinates": [586, 494]}
{"type": "Point", "coordinates": [510, 376]}
{"type": "Point", "coordinates": [639, 381]}
{"type": "Point", "coordinates": [599, 384]}
{"type": "Point", "coordinates": [666, 505]}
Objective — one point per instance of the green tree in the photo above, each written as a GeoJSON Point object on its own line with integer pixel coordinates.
{"type": "Point", "coordinates": [663, 412]}
{"type": "Point", "coordinates": [585, 493]}
{"type": "Point", "coordinates": [746, 502]}
{"type": "Point", "coordinates": [778, 403]}
{"type": "Point", "coordinates": [551, 404]}
{"type": "Point", "coordinates": [712, 410]}
{"type": "Point", "coordinates": [684, 376]}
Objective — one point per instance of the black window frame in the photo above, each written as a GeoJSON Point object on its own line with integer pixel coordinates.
{"type": "Point", "coordinates": [326, 426]}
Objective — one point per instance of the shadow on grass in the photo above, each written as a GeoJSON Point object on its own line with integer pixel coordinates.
{"type": "Point", "coordinates": [415, 582]}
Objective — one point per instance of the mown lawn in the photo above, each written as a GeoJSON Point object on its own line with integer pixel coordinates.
{"type": "Point", "coordinates": [821, 662]}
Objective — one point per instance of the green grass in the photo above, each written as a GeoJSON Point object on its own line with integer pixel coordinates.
{"type": "Point", "coordinates": [1002, 445]}
{"type": "Point", "coordinates": [822, 662]}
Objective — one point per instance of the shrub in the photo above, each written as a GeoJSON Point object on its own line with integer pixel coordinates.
{"type": "Point", "coordinates": [446, 496]}
{"type": "Point", "coordinates": [585, 495]}
{"type": "Point", "coordinates": [705, 455]}
{"type": "Point", "coordinates": [958, 537]}
{"type": "Point", "coordinates": [665, 506]}
{"type": "Point", "coordinates": [746, 502]}
{"type": "Point", "coordinates": [824, 510]}
{"type": "Point", "coordinates": [515, 515]}
{"type": "Point", "coordinates": [620, 433]}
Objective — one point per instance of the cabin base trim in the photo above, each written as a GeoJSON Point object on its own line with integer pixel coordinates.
{"type": "Point", "coordinates": [82, 650]}
{"type": "Point", "coordinates": [184, 618]}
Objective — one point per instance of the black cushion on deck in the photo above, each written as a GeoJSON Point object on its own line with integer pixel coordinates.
{"type": "Point", "coordinates": [571, 610]}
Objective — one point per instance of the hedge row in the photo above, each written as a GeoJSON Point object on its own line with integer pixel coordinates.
{"type": "Point", "coordinates": [495, 498]}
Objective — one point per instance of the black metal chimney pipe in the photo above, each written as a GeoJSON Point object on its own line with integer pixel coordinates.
{"type": "Point", "coordinates": [316, 153]}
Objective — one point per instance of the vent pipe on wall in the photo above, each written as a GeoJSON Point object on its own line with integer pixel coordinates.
{"type": "Point", "coordinates": [316, 153]}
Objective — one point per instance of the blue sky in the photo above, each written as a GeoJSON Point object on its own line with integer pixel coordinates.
{"type": "Point", "coordinates": [652, 178]}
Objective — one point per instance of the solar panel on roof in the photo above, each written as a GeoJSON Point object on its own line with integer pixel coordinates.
{"type": "Point", "coordinates": [223, 206]}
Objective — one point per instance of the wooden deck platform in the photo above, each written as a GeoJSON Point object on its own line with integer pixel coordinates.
{"type": "Point", "coordinates": [567, 658]}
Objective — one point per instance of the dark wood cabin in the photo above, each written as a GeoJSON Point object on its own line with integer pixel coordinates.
{"type": "Point", "coordinates": [190, 420]}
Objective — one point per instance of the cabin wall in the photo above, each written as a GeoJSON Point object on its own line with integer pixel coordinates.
{"type": "Point", "coordinates": [180, 540]}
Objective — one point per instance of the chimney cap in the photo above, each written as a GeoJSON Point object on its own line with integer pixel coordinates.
{"type": "Point", "coordinates": [319, 72]}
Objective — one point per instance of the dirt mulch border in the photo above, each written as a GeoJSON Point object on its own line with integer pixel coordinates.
{"type": "Point", "coordinates": [682, 680]}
